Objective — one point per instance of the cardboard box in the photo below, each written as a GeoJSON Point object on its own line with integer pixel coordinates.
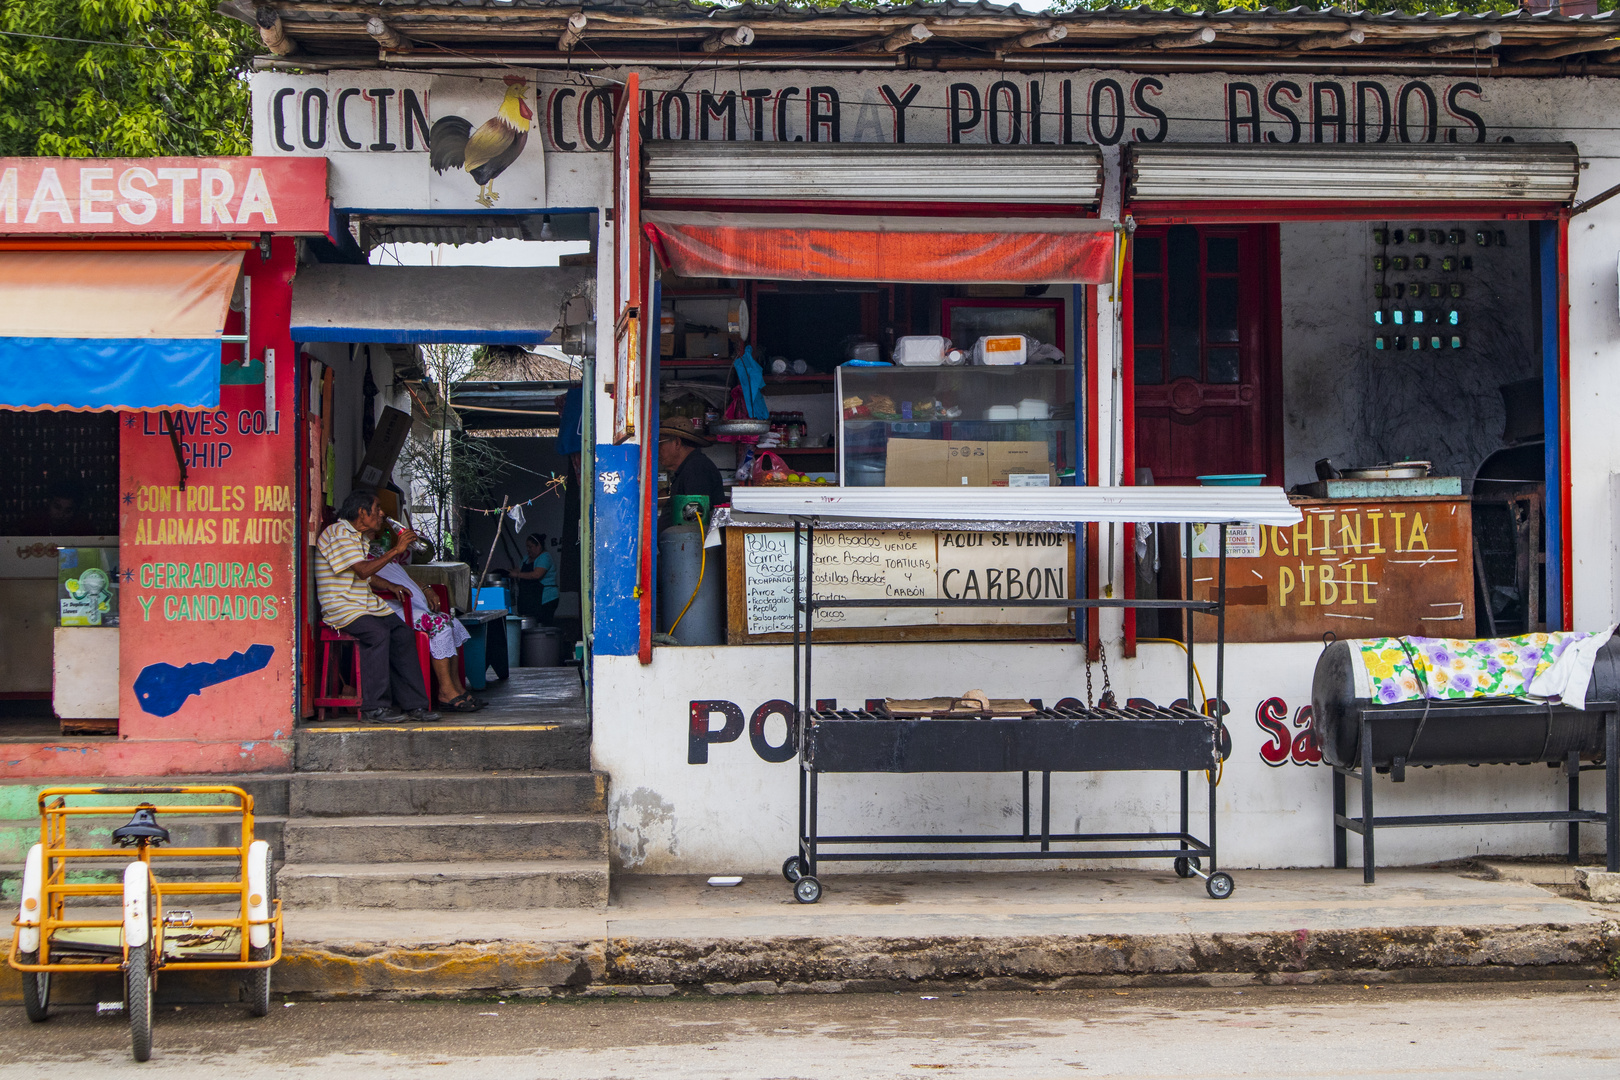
{"type": "Point", "coordinates": [916, 463]}
{"type": "Point", "coordinates": [705, 345]}
{"type": "Point", "coordinates": [968, 465]}
{"type": "Point", "coordinates": [1029, 461]}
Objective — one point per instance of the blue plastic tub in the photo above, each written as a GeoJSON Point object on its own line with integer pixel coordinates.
{"type": "Point", "coordinates": [1233, 480]}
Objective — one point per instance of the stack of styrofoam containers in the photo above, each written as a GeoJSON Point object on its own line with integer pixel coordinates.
{"type": "Point", "coordinates": [1001, 350]}
{"type": "Point", "coordinates": [919, 351]}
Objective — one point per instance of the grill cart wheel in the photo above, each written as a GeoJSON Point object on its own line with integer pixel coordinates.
{"type": "Point", "coordinates": [138, 987]}
{"type": "Point", "coordinates": [1219, 885]}
{"type": "Point", "coordinates": [36, 990]}
{"type": "Point", "coordinates": [794, 869]}
{"type": "Point", "coordinates": [1186, 865]}
{"type": "Point", "coordinates": [807, 890]}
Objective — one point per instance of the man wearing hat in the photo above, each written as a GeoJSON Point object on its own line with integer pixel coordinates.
{"type": "Point", "coordinates": [690, 471]}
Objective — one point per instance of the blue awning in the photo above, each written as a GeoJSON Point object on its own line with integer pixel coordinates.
{"type": "Point", "coordinates": [103, 330]}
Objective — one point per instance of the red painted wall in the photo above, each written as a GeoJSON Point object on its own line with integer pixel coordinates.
{"type": "Point", "coordinates": [209, 572]}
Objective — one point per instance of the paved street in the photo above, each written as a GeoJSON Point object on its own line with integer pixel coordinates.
{"type": "Point", "coordinates": [1535, 1029]}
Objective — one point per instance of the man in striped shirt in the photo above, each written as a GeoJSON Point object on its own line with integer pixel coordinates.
{"type": "Point", "coordinates": [387, 645]}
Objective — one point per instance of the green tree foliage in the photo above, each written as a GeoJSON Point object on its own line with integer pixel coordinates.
{"type": "Point", "coordinates": [166, 77]}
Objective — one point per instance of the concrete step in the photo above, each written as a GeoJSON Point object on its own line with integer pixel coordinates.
{"type": "Point", "coordinates": [447, 886]}
{"type": "Point", "coordinates": [447, 837]}
{"type": "Point", "coordinates": [16, 837]}
{"type": "Point", "coordinates": [358, 794]}
{"type": "Point", "coordinates": [110, 871]}
{"type": "Point", "coordinates": [19, 798]}
{"type": "Point", "coordinates": [450, 744]}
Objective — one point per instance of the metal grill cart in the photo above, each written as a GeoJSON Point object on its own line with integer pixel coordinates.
{"type": "Point", "coordinates": [1069, 736]}
{"type": "Point", "coordinates": [1360, 737]}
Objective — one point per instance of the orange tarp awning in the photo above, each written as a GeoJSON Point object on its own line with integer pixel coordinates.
{"type": "Point", "coordinates": [923, 250]}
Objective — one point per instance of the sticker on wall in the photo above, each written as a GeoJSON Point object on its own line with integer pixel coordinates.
{"type": "Point", "coordinates": [163, 688]}
{"type": "Point", "coordinates": [1242, 541]}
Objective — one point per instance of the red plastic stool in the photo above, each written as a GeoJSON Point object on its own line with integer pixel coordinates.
{"type": "Point", "coordinates": [329, 639]}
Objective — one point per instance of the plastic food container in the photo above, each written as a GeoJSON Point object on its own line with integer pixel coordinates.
{"type": "Point", "coordinates": [1232, 479]}
{"type": "Point", "coordinates": [1034, 409]}
{"type": "Point", "coordinates": [1002, 412]}
{"type": "Point", "coordinates": [919, 351]}
{"type": "Point", "coordinates": [1001, 350]}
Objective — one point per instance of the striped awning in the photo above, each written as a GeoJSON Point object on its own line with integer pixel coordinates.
{"type": "Point", "coordinates": [95, 330]}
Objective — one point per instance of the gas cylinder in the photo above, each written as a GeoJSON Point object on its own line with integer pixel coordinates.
{"type": "Point", "coordinates": [680, 561]}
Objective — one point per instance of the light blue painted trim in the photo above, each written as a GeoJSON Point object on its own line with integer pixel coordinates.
{"type": "Point", "coordinates": [109, 373]}
{"type": "Point", "coordinates": [393, 336]}
{"type": "Point", "coordinates": [617, 510]}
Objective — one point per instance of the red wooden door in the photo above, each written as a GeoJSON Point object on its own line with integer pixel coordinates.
{"type": "Point", "coordinates": [1207, 372]}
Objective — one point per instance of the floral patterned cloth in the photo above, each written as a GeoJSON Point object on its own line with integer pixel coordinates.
{"type": "Point", "coordinates": [1442, 669]}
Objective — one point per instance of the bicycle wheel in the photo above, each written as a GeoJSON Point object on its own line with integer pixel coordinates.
{"type": "Point", "coordinates": [36, 990]}
{"type": "Point", "coordinates": [138, 987]}
{"type": "Point", "coordinates": [258, 982]}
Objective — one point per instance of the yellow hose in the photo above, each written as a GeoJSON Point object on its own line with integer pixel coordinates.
{"type": "Point", "coordinates": [703, 564]}
{"type": "Point", "coordinates": [1201, 693]}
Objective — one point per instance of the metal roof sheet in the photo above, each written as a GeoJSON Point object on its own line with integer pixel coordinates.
{"type": "Point", "coordinates": [312, 10]}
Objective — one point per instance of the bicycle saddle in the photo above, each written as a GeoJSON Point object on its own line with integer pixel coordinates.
{"type": "Point", "coordinates": [143, 826]}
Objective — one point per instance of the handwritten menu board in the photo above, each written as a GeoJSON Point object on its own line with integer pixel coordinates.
{"type": "Point", "coordinates": [906, 565]}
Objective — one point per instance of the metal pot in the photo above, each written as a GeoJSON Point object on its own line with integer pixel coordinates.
{"type": "Point", "coordinates": [1399, 470]}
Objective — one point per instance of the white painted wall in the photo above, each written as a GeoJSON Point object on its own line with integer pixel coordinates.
{"type": "Point", "coordinates": [1345, 400]}
{"type": "Point", "coordinates": [736, 814]}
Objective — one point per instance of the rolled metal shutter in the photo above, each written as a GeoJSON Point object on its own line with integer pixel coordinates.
{"type": "Point", "coordinates": [1208, 172]}
{"type": "Point", "coordinates": [678, 171]}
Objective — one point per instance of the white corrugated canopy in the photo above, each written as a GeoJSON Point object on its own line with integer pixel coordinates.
{"type": "Point", "coordinates": [1373, 172]}
{"type": "Point", "coordinates": [680, 171]}
{"type": "Point", "coordinates": [1246, 505]}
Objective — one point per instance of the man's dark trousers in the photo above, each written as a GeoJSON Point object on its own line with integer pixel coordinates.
{"type": "Point", "coordinates": [386, 643]}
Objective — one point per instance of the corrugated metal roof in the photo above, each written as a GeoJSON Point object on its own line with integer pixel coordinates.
{"type": "Point", "coordinates": [1252, 505]}
{"type": "Point", "coordinates": [457, 31]}
{"type": "Point", "coordinates": [843, 172]}
{"type": "Point", "coordinates": [948, 9]}
{"type": "Point", "coordinates": [1515, 172]}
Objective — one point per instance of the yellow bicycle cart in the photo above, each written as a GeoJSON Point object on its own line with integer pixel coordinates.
{"type": "Point", "coordinates": [243, 934]}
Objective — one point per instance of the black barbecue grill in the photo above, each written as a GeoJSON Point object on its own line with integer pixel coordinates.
{"type": "Point", "coordinates": [1361, 738]}
{"type": "Point", "coordinates": [1070, 736]}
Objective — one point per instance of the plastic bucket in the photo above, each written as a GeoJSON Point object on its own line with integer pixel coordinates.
{"type": "Point", "coordinates": [542, 647]}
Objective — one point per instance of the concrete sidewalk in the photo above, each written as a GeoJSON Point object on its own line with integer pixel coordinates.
{"type": "Point", "coordinates": [663, 935]}
{"type": "Point", "coordinates": [1104, 928]}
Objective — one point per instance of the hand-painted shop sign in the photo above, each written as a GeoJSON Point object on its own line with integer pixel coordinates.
{"type": "Point", "coordinates": [405, 140]}
{"type": "Point", "coordinates": [159, 195]}
{"type": "Point", "coordinates": [1056, 110]}
{"type": "Point", "coordinates": [392, 115]}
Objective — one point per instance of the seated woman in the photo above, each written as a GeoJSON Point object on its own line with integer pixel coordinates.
{"type": "Point", "coordinates": [445, 633]}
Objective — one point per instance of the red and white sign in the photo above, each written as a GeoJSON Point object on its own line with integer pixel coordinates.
{"type": "Point", "coordinates": [163, 195]}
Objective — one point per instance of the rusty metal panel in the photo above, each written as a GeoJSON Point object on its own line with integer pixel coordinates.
{"type": "Point", "coordinates": [1356, 567]}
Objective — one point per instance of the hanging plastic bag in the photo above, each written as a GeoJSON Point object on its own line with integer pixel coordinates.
{"type": "Point", "coordinates": [751, 378]}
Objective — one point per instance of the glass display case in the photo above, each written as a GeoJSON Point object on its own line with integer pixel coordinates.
{"type": "Point", "coordinates": [962, 426]}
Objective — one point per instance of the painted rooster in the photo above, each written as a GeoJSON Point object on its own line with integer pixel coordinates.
{"type": "Point", "coordinates": [484, 154]}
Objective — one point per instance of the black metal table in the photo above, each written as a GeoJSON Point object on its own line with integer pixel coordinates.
{"type": "Point", "coordinates": [1389, 732]}
{"type": "Point", "coordinates": [1070, 736]}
